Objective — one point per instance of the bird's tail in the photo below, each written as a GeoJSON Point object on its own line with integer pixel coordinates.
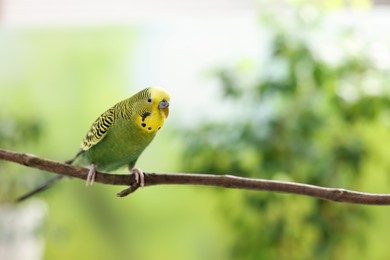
{"type": "Point", "coordinates": [47, 184]}
{"type": "Point", "coordinates": [43, 187]}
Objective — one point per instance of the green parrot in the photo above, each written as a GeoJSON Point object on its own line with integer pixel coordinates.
{"type": "Point", "coordinates": [119, 136]}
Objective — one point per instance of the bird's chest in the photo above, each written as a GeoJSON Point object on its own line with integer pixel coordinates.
{"type": "Point", "coordinates": [122, 145]}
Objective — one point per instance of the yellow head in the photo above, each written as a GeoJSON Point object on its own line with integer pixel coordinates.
{"type": "Point", "coordinates": [151, 108]}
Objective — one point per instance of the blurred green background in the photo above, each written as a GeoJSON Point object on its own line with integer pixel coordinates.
{"type": "Point", "coordinates": [312, 105]}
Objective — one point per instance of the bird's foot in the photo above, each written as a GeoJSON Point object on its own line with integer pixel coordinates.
{"type": "Point", "coordinates": [139, 176]}
{"type": "Point", "coordinates": [139, 182]}
{"type": "Point", "coordinates": [91, 175]}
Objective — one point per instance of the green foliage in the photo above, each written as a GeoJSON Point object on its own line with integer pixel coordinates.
{"type": "Point", "coordinates": [302, 119]}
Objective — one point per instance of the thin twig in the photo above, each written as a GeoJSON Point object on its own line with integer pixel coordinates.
{"type": "Point", "coordinates": [226, 181]}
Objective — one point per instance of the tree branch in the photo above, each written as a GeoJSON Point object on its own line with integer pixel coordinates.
{"type": "Point", "coordinates": [226, 181]}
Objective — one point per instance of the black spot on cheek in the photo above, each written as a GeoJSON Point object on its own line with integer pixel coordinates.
{"type": "Point", "coordinates": [145, 115]}
{"type": "Point", "coordinates": [159, 128]}
{"type": "Point", "coordinates": [143, 124]}
{"type": "Point", "coordinates": [149, 128]}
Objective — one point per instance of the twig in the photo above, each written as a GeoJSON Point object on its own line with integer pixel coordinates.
{"type": "Point", "coordinates": [226, 181]}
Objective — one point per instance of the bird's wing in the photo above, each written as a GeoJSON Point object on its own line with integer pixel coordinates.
{"type": "Point", "coordinates": [98, 130]}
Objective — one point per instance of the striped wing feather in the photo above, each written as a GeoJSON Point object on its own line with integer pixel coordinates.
{"type": "Point", "coordinates": [98, 130]}
{"type": "Point", "coordinates": [123, 109]}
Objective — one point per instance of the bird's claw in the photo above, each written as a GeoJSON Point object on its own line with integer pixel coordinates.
{"type": "Point", "coordinates": [139, 182]}
{"type": "Point", "coordinates": [139, 176]}
{"type": "Point", "coordinates": [91, 175]}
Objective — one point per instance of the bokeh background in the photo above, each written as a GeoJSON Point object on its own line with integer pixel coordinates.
{"type": "Point", "coordinates": [285, 90]}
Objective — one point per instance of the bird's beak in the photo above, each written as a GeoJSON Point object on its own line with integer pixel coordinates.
{"type": "Point", "coordinates": [163, 104]}
{"type": "Point", "coordinates": [164, 108]}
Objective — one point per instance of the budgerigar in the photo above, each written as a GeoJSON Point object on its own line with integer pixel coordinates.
{"type": "Point", "coordinates": [119, 135]}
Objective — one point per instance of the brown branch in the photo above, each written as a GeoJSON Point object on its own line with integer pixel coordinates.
{"type": "Point", "coordinates": [226, 181]}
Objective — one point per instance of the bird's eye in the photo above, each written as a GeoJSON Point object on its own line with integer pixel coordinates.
{"type": "Point", "coordinates": [149, 100]}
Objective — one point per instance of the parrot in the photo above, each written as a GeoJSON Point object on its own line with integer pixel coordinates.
{"type": "Point", "coordinates": [119, 136]}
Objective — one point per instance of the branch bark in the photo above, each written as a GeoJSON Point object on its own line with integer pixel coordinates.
{"type": "Point", "coordinates": [225, 181]}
